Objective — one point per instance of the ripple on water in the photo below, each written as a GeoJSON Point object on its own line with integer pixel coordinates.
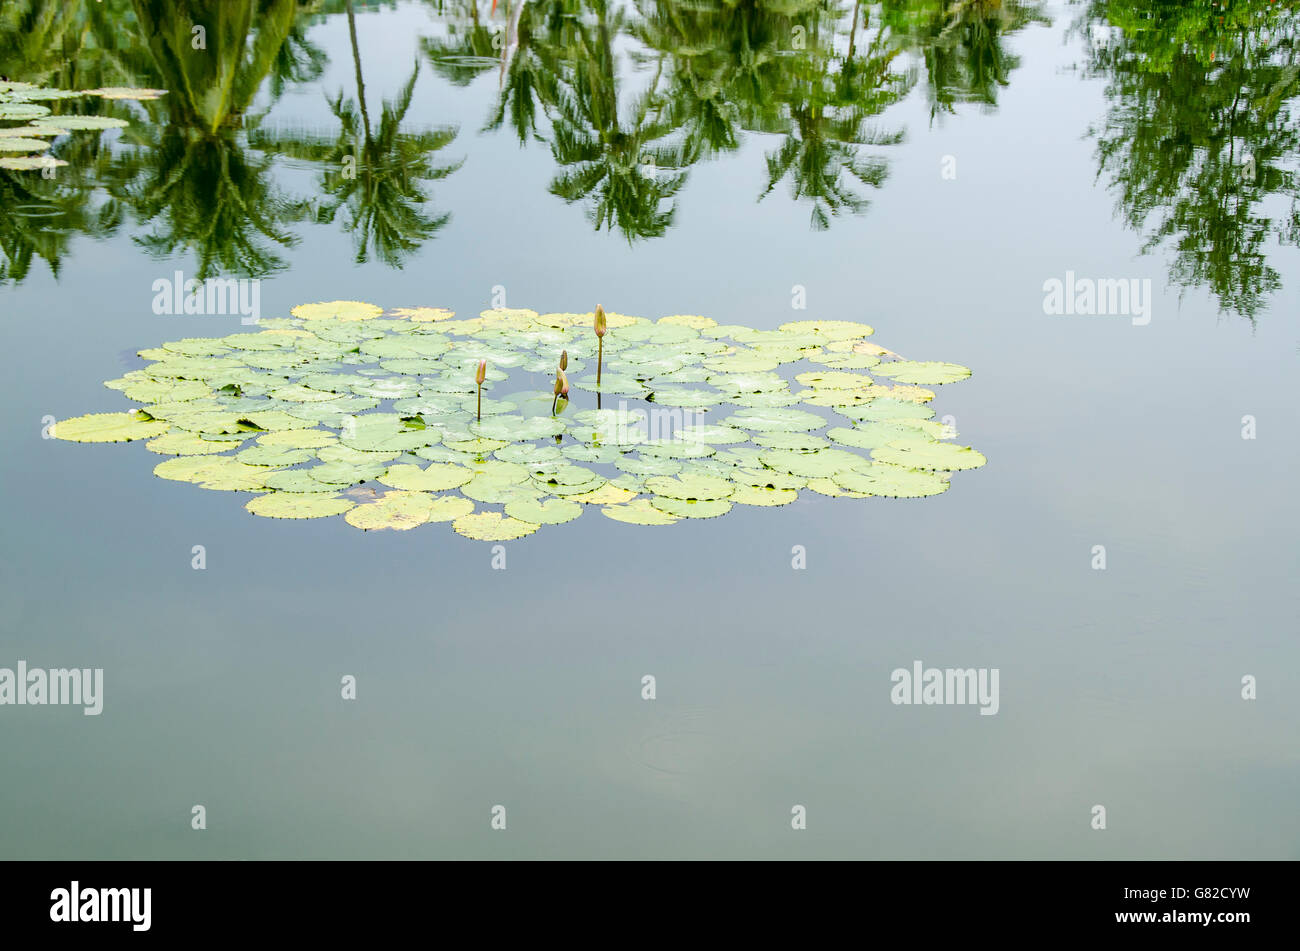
{"type": "Point", "coordinates": [684, 746]}
{"type": "Point", "coordinates": [36, 210]}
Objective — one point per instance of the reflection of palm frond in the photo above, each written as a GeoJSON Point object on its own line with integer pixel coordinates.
{"type": "Point", "coordinates": [1183, 119]}
{"type": "Point", "coordinates": [373, 177]}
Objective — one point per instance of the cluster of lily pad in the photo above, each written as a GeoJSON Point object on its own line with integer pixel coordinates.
{"type": "Point", "coordinates": [28, 123]}
{"type": "Point", "coordinates": [344, 409]}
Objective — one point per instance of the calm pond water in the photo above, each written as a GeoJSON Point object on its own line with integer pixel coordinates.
{"type": "Point", "coordinates": [927, 168]}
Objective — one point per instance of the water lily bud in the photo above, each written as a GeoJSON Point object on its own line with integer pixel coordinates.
{"type": "Point", "coordinates": [481, 375]}
{"type": "Point", "coordinates": [564, 359]}
{"type": "Point", "coordinates": [601, 324]}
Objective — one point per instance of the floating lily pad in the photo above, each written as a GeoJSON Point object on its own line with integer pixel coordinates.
{"type": "Point", "coordinates": [510, 428]}
{"type": "Point", "coordinates": [214, 472]}
{"type": "Point", "coordinates": [81, 123]}
{"type": "Point", "coordinates": [178, 442]}
{"type": "Point", "coordinates": [767, 479]}
{"type": "Point", "coordinates": [929, 455]}
{"type": "Point", "coordinates": [692, 508]}
{"type": "Point", "coordinates": [834, 380]}
{"type": "Point", "coordinates": [21, 144]}
{"type": "Point", "coordinates": [607, 494]}
{"type": "Point", "coordinates": [874, 435]}
{"type": "Point", "coordinates": [436, 477]}
{"type": "Point", "coordinates": [492, 527]}
{"type": "Point", "coordinates": [833, 489]}
{"type": "Point", "coordinates": [346, 473]}
{"type": "Point", "coordinates": [675, 449]}
{"type": "Point", "coordinates": [890, 480]}
{"type": "Point", "coordinates": [553, 512]}
{"type": "Point", "coordinates": [448, 508]}
{"type": "Point", "coordinates": [126, 92]}
{"type": "Point", "coordinates": [690, 487]}
{"type": "Point", "coordinates": [928, 374]}
{"type": "Point", "coordinates": [788, 420]}
{"type": "Point", "coordinates": [638, 512]}
{"type": "Point", "coordinates": [298, 505]}
{"type": "Point", "coordinates": [22, 110]}
{"type": "Point", "coordinates": [298, 438]}
{"type": "Point", "coordinates": [38, 94]}
{"type": "Point", "coordinates": [274, 456]}
{"type": "Point", "coordinates": [109, 427]}
{"type": "Point", "coordinates": [752, 495]}
{"type": "Point", "coordinates": [887, 410]}
{"type": "Point", "coordinates": [400, 511]}
{"type": "Point", "coordinates": [295, 480]}
{"type": "Point", "coordinates": [829, 329]}
{"type": "Point", "coordinates": [30, 163]}
{"type": "Point", "coordinates": [812, 465]}
{"type": "Point", "coordinates": [798, 442]}
{"type": "Point", "coordinates": [337, 310]}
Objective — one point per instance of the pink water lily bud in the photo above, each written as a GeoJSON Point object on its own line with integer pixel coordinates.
{"type": "Point", "coordinates": [601, 324]}
{"type": "Point", "coordinates": [481, 375]}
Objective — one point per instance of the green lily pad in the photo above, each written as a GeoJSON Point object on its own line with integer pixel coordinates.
{"type": "Point", "coordinates": [109, 427]}
{"type": "Point", "coordinates": [873, 435]}
{"type": "Point", "coordinates": [295, 480]}
{"type": "Point", "coordinates": [435, 477]}
{"type": "Point", "coordinates": [448, 508]}
{"type": "Point", "coordinates": [551, 512]}
{"type": "Point", "coordinates": [890, 480]}
{"type": "Point", "coordinates": [38, 94]}
{"type": "Point", "coordinates": [786, 420]}
{"type": "Point", "coordinates": [22, 110]}
{"type": "Point", "coordinates": [298, 505]}
{"type": "Point", "coordinates": [924, 373]}
{"type": "Point", "coordinates": [346, 473]}
{"type": "Point", "coordinates": [346, 310]}
{"type": "Point", "coordinates": [511, 428]}
{"type": "Point", "coordinates": [929, 455]}
{"type": "Point", "coordinates": [126, 92]}
{"type": "Point", "coordinates": [675, 449]}
{"type": "Point", "coordinates": [683, 508]}
{"type": "Point", "coordinates": [650, 466]}
{"type": "Point", "coordinates": [492, 527]}
{"type": "Point", "coordinates": [178, 442]}
{"type": "Point", "coordinates": [752, 495]}
{"type": "Point", "coordinates": [833, 489]}
{"type": "Point", "coordinates": [298, 438]}
{"type": "Point", "coordinates": [812, 465]}
{"type": "Point", "coordinates": [887, 410]}
{"type": "Point", "coordinates": [274, 456]}
{"type": "Point", "coordinates": [21, 144]}
{"type": "Point", "coordinates": [704, 488]}
{"type": "Point", "coordinates": [400, 511]}
{"type": "Point", "coordinates": [214, 472]}
{"type": "Point", "coordinates": [767, 479]}
{"type": "Point", "coordinates": [81, 123]}
{"type": "Point", "coordinates": [829, 329]}
{"type": "Point", "coordinates": [796, 442]}
{"type": "Point", "coordinates": [30, 163]}
{"type": "Point", "coordinates": [638, 512]}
